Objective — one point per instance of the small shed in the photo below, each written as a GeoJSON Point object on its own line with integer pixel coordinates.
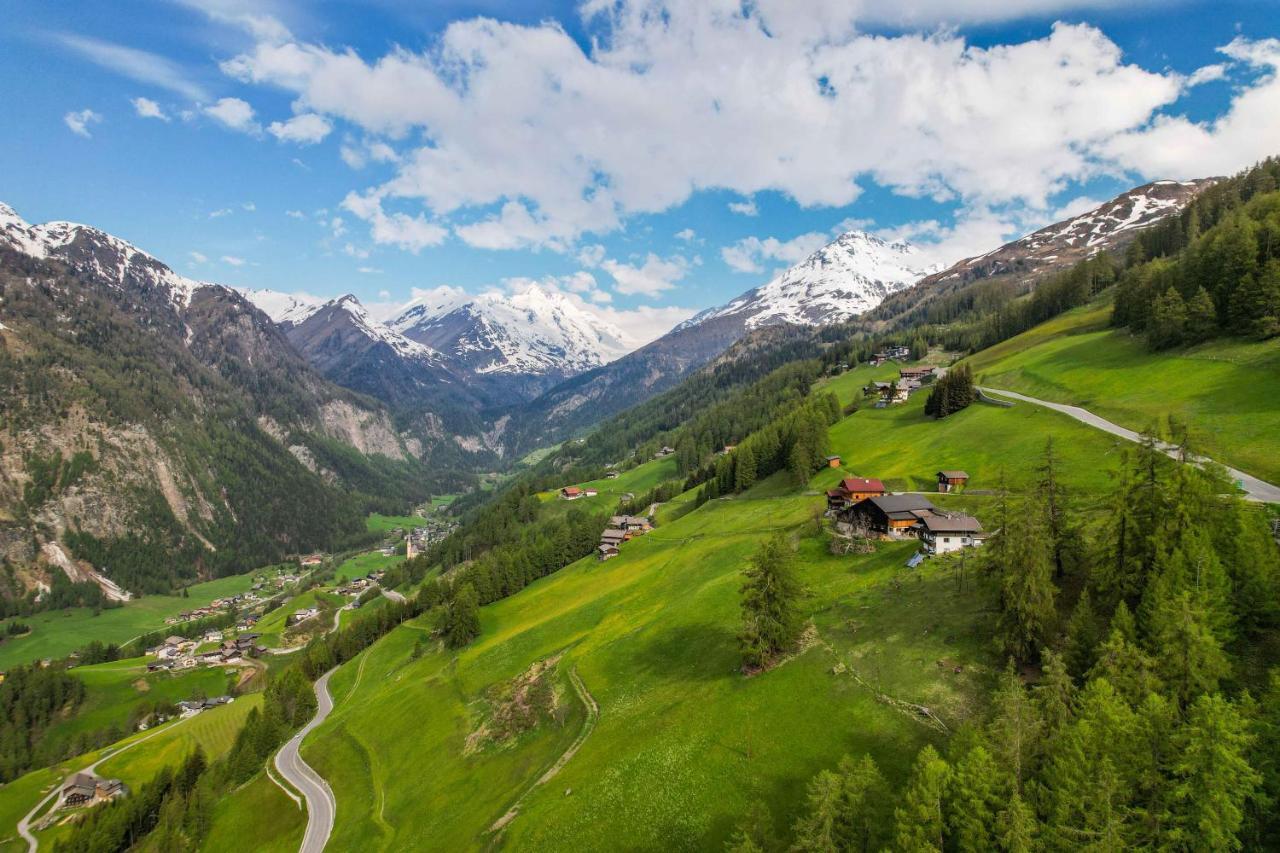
{"type": "Point", "coordinates": [950, 481]}
{"type": "Point", "coordinates": [833, 461]}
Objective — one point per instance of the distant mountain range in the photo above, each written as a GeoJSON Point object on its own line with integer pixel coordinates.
{"type": "Point", "coordinates": [133, 357]}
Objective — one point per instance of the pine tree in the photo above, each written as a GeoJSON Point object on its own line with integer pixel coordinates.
{"type": "Point", "coordinates": [1018, 827]}
{"type": "Point", "coordinates": [1083, 636]}
{"type": "Point", "coordinates": [1056, 510]}
{"type": "Point", "coordinates": [744, 471]}
{"type": "Point", "coordinates": [1027, 589]}
{"type": "Point", "coordinates": [1202, 317]}
{"type": "Point", "coordinates": [1215, 780]}
{"type": "Point", "coordinates": [1189, 658]}
{"type": "Point", "coordinates": [1014, 732]}
{"type": "Point", "coordinates": [754, 833]}
{"type": "Point", "coordinates": [818, 830]}
{"type": "Point", "coordinates": [1255, 305]}
{"type": "Point", "coordinates": [463, 624]}
{"type": "Point", "coordinates": [918, 822]}
{"type": "Point", "coordinates": [976, 795]}
{"type": "Point", "coordinates": [1168, 321]}
{"type": "Point", "coordinates": [770, 619]}
{"type": "Point", "coordinates": [1123, 663]}
{"type": "Point", "coordinates": [863, 799]}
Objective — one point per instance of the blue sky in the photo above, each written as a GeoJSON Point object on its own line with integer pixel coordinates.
{"type": "Point", "coordinates": [646, 157]}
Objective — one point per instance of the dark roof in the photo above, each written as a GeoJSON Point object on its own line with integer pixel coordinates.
{"type": "Point", "coordinates": [954, 475]}
{"type": "Point", "coordinates": [909, 503]}
{"type": "Point", "coordinates": [958, 523]}
{"type": "Point", "coordinates": [833, 456]}
{"type": "Point", "coordinates": [861, 484]}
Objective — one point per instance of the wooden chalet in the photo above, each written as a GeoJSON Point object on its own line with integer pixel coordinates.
{"type": "Point", "coordinates": [833, 461]}
{"type": "Point", "coordinates": [919, 373]}
{"type": "Point", "coordinates": [894, 515]}
{"type": "Point", "coordinates": [851, 490]}
{"type": "Point", "coordinates": [943, 533]}
{"type": "Point", "coordinates": [950, 481]}
{"type": "Point", "coordinates": [606, 552]}
{"type": "Point", "coordinates": [571, 493]}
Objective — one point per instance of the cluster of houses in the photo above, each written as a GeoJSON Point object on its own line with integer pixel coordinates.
{"type": "Point", "coordinates": [664, 452]}
{"type": "Point", "coordinates": [891, 353]}
{"type": "Point", "coordinates": [214, 608]}
{"type": "Point", "coordinates": [573, 493]}
{"type": "Point", "coordinates": [87, 789]}
{"type": "Point", "coordinates": [621, 528]}
{"type": "Point", "coordinates": [178, 653]}
{"type": "Point", "coordinates": [302, 616]}
{"type": "Point", "coordinates": [311, 561]}
{"type": "Point", "coordinates": [862, 505]}
{"type": "Point", "coordinates": [191, 707]}
{"type": "Point", "coordinates": [353, 588]}
{"type": "Point", "coordinates": [909, 381]}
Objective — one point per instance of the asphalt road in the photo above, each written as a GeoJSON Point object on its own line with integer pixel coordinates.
{"type": "Point", "coordinates": [321, 804]}
{"type": "Point", "coordinates": [1255, 489]}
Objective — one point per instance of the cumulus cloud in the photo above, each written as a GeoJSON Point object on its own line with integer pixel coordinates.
{"type": "Point", "coordinates": [232, 260]}
{"type": "Point", "coordinates": [649, 278]}
{"type": "Point", "coordinates": [974, 232]}
{"type": "Point", "coordinates": [198, 257]}
{"type": "Point", "coordinates": [744, 208]}
{"type": "Point", "coordinates": [1177, 147]}
{"type": "Point", "coordinates": [295, 214]}
{"type": "Point", "coordinates": [750, 254]}
{"type": "Point", "coordinates": [147, 108]}
{"type": "Point", "coordinates": [305, 129]}
{"type": "Point", "coordinates": [79, 121]}
{"type": "Point", "coordinates": [687, 234]}
{"type": "Point", "coordinates": [533, 140]}
{"type": "Point", "coordinates": [219, 213]}
{"type": "Point", "coordinates": [233, 113]}
{"type": "Point", "coordinates": [413, 233]}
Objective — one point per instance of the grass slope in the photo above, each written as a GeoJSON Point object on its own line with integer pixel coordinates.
{"type": "Point", "coordinates": [387, 523]}
{"type": "Point", "coordinates": [1226, 391]}
{"type": "Point", "coordinates": [58, 633]}
{"type": "Point", "coordinates": [684, 743]}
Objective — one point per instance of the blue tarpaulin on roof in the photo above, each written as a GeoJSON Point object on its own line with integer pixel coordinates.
{"type": "Point", "coordinates": [916, 559]}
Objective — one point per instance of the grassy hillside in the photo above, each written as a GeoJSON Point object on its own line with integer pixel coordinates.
{"type": "Point", "coordinates": [1227, 391]}
{"type": "Point", "coordinates": [57, 633]}
{"type": "Point", "coordinates": [684, 743]}
{"type": "Point", "coordinates": [134, 760]}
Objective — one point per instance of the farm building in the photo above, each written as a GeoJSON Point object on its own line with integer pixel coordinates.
{"type": "Point", "coordinates": [921, 373]}
{"type": "Point", "coordinates": [851, 490]}
{"type": "Point", "coordinates": [895, 515]}
{"type": "Point", "coordinates": [606, 552]}
{"type": "Point", "coordinates": [942, 534]}
{"type": "Point", "coordinates": [833, 461]}
{"type": "Point", "coordinates": [950, 481]}
{"type": "Point", "coordinates": [83, 788]}
{"type": "Point", "coordinates": [571, 493]}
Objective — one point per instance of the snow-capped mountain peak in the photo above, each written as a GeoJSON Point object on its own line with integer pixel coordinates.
{"type": "Point", "coordinates": [847, 277]}
{"type": "Point", "coordinates": [532, 332]}
{"type": "Point", "coordinates": [287, 309]}
{"type": "Point", "coordinates": [93, 251]}
{"type": "Point", "coordinates": [347, 307]}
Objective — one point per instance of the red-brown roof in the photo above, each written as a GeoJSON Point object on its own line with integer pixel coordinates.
{"type": "Point", "coordinates": [861, 484]}
{"type": "Point", "coordinates": [571, 490]}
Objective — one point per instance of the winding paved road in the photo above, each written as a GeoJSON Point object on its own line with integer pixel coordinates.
{"type": "Point", "coordinates": [321, 804]}
{"type": "Point", "coordinates": [1255, 489]}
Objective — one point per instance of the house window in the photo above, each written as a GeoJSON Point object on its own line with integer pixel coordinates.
{"type": "Point", "coordinates": [946, 540]}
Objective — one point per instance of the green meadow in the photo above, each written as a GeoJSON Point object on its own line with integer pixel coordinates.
{"type": "Point", "coordinates": [1226, 391]}
{"type": "Point", "coordinates": [387, 523]}
{"type": "Point", "coordinates": [637, 481]}
{"type": "Point", "coordinates": [684, 743]}
{"type": "Point", "coordinates": [361, 564]}
{"type": "Point", "coordinates": [257, 816]}
{"type": "Point", "coordinates": [58, 633]}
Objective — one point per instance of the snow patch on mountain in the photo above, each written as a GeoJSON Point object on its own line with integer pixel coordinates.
{"type": "Point", "coordinates": [533, 331]}
{"type": "Point", "coordinates": [93, 251]}
{"type": "Point", "coordinates": [358, 316]}
{"type": "Point", "coordinates": [845, 278]}
{"type": "Point", "coordinates": [286, 309]}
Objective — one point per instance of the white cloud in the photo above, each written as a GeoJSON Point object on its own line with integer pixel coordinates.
{"type": "Point", "coordinates": [1177, 147]}
{"type": "Point", "coordinates": [135, 64]}
{"type": "Point", "coordinates": [80, 120]}
{"type": "Point", "coordinates": [353, 251]}
{"type": "Point", "coordinates": [975, 232]}
{"type": "Point", "coordinates": [1074, 207]}
{"type": "Point", "coordinates": [648, 279]}
{"type": "Point", "coordinates": [305, 129]}
{"type": "Point", "coordinates": [1207, 74]}
{"type": "Point", "coordinates": [591, 255]}
{"type": "Point", "coordinates": [750, 253]}
{"type": "Point", "coordinates": [371, 271]}
{"type": "Point", "coordinates": [233, 113]}
{"type": "Point", "coordinates": [295, 214]}
{"type": "Point", "coordinates": [744, 208]}
{"type": "Point", "coordinates": [338, 226]}
{"type": "Point", "coordinates": [688, 235]}
{"type": "Point", "coordinates": [219, 213]}
{"type": "Point", "coordinates": [357, 155]}
{"type": "Point", "coordinates": [232, 260]}
{"type": "Point", "coordinates": [198, 257]}
{"type": "Point", "coordinates": [413, 233]}
{"type": "Point", "coordinates": [147, 108]}
{"type": "Point", "coordinates": [563, 141]}
{"type": "Point", "coordinates": [249, 206]}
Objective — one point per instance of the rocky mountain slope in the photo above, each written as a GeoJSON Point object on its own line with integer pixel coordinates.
{"type": "Point", "coordinates": [1051, 249]}
{"type": "Point", "coordinates": [165, 428]}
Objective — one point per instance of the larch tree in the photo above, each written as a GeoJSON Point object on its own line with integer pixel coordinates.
{"type": "Point", "coordinates": [770, 618]}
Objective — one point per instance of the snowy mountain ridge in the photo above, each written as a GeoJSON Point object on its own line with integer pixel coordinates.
{"type": "Point", "coordinates": [532, 332]}
{"type": "Point", "coordinates": [847, 277]}
{"type": "Point", "coordinates": [93, 251]}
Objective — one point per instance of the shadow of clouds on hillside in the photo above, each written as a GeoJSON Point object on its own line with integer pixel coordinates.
{"type": "Point", "coordinates": [705, 651]}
